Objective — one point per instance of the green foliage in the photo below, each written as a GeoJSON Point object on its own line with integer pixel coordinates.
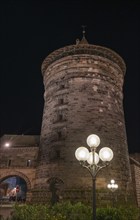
{"type": "Point", "coordinates": [69, 211]}
{"type": "Point", "coordinates": [129, 213]}
{"type": "Point", "coordinates": [76, 211]}
{"type": "Point", "coordinates": [35, 212]}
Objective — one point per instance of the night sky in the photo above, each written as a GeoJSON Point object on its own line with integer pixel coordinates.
{"type": "Point", "coordinates": [30, 30]}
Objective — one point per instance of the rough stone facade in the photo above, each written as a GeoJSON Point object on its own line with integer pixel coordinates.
{"type": "Point", "coordinates": [83, 95]}
{"type": "Point", "coordinates": [135, 169]}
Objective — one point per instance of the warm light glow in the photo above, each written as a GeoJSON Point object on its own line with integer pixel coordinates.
{"type": "Point", "coordinates": [93, 140]}
{"type": "Point", "coordinates": [82, 154]}
{"type": "Point", "coordinates": [90, 158]}
{"type": "Point", "coordinates": [106, 154]}
{"type": "Point", "coordinates": [7, 144]}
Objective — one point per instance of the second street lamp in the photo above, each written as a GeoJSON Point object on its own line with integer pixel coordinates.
{"type": "Point", "coordinates": [90, 161]}
{"type": "Point", "coordinates": [112, 186]}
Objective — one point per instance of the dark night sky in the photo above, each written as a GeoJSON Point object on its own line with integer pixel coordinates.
{"type": "Point", "coordinates": [31, 29]}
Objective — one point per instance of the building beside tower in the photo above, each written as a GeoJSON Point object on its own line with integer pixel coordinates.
{"type": "Point", "coordinates": [83, 94]}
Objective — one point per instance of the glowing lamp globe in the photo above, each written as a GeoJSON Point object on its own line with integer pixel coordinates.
{"type": "Point", "coordinates": [93, 141]}
{"type": "Point", "coordinates": [112, 181]}
{"type": "Point", "coordinates": [109, 186]}
{"type": "Point", "coordinates": [82, 154]}
{"type": "Point", "coordinates": [106, 154]}
{"type": "Point", "coordinates": [90, 158]}
{"type": "Point", "coordinates": [116, 186]}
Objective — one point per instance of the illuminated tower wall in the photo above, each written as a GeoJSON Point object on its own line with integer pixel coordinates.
{"type": "Point", "coordinates": [83, 95]}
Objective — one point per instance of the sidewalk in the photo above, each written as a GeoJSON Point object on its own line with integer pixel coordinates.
{"type": "Point", "coordinates": [5, 210]}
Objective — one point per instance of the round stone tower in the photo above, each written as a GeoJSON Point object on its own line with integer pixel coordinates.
{"type": "Point", "coordinates": [83, 95]}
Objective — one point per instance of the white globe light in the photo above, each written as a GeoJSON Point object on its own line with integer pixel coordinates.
{"type": "Point", "coordinates": [82, 154]}
{"type": "Point", "coordinates": [93, 140]}
{"type": "Point", "coordinates": [106, 154]}
{"type": "Point", "coordinates": [109, 186]}
{"type": "Point", "coordinates": [112, 181]}
{"type": "Point", "coordinates": [90, 158]}
{"type": "Point", "coordinates": [116, 186]}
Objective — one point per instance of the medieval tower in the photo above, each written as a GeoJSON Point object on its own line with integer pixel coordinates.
{"type": "Point", "coordinates": [83, 95]}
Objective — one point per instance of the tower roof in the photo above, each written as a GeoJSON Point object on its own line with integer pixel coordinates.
{"type": "Point", "coordinates": [83, 47]}
{"type": "Point", "coordinates": [83, 41]}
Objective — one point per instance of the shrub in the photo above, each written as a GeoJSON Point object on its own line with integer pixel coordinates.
{"type": "Point", "coordinates": [69, 211]}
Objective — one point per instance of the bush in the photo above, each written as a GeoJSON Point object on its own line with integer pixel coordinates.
{"type": "Point", "coordinates": [69, 211]}
{"type": "Point", "coordinates": [129, 213]}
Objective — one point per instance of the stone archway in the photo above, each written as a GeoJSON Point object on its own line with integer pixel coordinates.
{"type": "Point", "coordinates": [16, 173]}
{"type": "Point", "coordinates": [12, 173]}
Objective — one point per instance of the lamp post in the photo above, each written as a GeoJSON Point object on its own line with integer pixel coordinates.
{"type": "Point", "coordinates": [90, 160]}
{"type": "Point", "coordinates": [112, 186]}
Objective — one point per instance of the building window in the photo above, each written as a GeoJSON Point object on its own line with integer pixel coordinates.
{"type": "Point", "coordinates": [62, 86]}
{"type": "Point", "coordinates": [60, 117]}
{"type": "Point", "coordinates": [57, 153]}
{"type": "Point", "coordinates": [59, 134]}
{"type": "Point", "coordinates": [28, 163]}
{"type": "Point", "coordinates": [9, 163]}
{"type": "Point", "coordinates": [61, 101]}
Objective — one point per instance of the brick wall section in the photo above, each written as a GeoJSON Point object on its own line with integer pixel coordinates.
{"type": "Point", "coordinates": [18, 157]}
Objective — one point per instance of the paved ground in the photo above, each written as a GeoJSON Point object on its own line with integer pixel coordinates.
{"type": "Point", "coordinates": [5, 211]}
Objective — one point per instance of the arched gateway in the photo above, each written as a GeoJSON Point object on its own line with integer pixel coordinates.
{"type": "Point", "coordinates": [8, 174]}
{"type": "Point", "coordinates": [15, 186]}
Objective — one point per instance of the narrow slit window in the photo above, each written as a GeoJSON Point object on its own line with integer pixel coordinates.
{"type": "Point", "coordinates": [9, 162]}
{"type": "Point", "coordinates": [28, 163]}
{"type": "Point", "coordinates": [59, 134]}
{"type": "Point", "coordinates": [62, 86]}
{"type": "Point", "coordinates": [61, 101]}
{"type": "Point", "coordinates": [60, 117]}
{"type": "Point", "coordinates": [58, 153]}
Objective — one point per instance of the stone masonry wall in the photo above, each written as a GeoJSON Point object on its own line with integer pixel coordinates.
{"type": "Point", "coordinates": [83, 95]}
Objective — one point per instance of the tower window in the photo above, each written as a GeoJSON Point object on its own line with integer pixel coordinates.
{"type": "Point", "coordinates": [62, 86]}
{"type": "Point", "coordinates": [60, 117]}
{"type": "Point", "coordinates": [59, 134]}
{"type": "Point", "coordinates": [61, 101]}
{"type": "Point", "coordinates": [28, 163]}
{"type": "Point", "coordinates": [9, 163]}
{"type": "Point", "coordinates": [57, 153]}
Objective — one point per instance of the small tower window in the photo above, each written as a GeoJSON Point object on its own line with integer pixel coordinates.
{"type": "Point", "coordinates": [28, 163]}
{"type": "Point", "coordinates": [9, 163]}
{"type": "Point", "coordinates": [61, 101]}
{"type": "Point", "coordinates": [57, 153]}
{"type": "Point", "coordinates": [62, 86]}
{"type": "Point", "coordinates": [60, 117]}
{"type": "Point", "coordinates": [59, 134]}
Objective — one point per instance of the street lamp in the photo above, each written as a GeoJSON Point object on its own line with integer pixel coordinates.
{"type": "Point", "coordinates": [112, 186]}
{"type": "Point", "coordinates": [90, 161]}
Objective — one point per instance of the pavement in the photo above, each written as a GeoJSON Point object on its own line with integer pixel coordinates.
{"type": "Point", "coordinates": [5, 211]}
